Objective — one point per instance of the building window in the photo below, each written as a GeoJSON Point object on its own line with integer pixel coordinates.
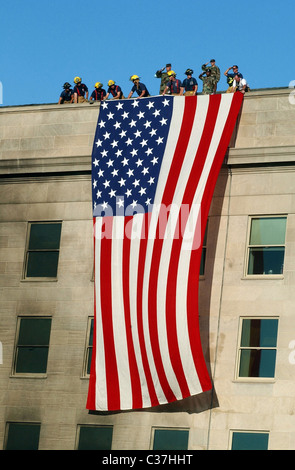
{"type": "Point", "coordinates": [31, 352]}
{"type": "Point", "coordinates": [22, 436]}
{"type": "Point", "coordinates": [42, 250]}
{"type": "Point", "coordinates": [88, 348]}
{"type": "Point", "coordinates": [266, 250]}
{"type": "Point", "coordinates": [249, 440]}
{"type": "Point", "coordinates": [170, 439]}
{"type": "Point", "coordinates": [258, 348]}
{"type": "Point", "coordinates": [94, 437]}
{"type": "Point", "coordinates": [204, 251]}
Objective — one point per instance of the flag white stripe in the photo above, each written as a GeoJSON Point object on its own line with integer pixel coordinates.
{"type": "Point", "coordinates": [176, 122]}
{"type": "Point", "coordinates": [101, 387]}
{"type": "Point", "coordinates": [118, 315]}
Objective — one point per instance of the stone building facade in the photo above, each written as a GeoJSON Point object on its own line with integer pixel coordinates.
{"type": "Point", "coordinates": [247, 288]}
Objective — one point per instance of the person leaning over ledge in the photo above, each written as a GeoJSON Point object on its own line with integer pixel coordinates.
{"type": "Point", "coordinates": [67, 95]}
{"type": "Point", "coordinates": [139, 87]}
{"type": "Point", "coordinates": [80, 91]}
{"type": "Point", "coordinates": [114, 90]}
{"type": "Point", "coordinates": [240, 84]}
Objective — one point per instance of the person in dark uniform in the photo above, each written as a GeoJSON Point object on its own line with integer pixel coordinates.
{"type": "Point", "coordinates": [114, 90]}
{"type": "Point", "coordinates": [139, 87]}
{"type": "Point", "coordinates": [80, 91]}
{"type": "Point", "coordinates": [99, 93]}
{"type": "Point", "coordinates": [67, 95]}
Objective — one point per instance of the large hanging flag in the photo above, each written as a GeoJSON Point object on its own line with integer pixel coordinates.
{"type": "Point", "coordinates": [155, 164]}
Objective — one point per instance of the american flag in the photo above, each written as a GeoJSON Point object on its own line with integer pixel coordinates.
{"type": "Point", "coordinates": [155, 163]}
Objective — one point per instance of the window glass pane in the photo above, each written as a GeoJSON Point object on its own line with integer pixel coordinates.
{"type": "Point", "coordinates": [266, 260]}
{"type": "Point", "coordinates": [34, 331]}
{"type": "Point", "coordinates": [268, 231]}
{"type": "Point", "coordinates": [31, 360]}
{"type": "Point", "coordinates": [91, 332]}
{"type": "Point", "coordinates": [170, 439]}
{"type": "Point", "coordinates": [89, 357]}
{"type": "Point", "coordinates": [95, 438]}
{"type": "Point", "coordinates": [257, 363]}
{"type": "Point", "coordinates": [250, 441]}
{"type": "Point", "coordinates": [45, 236]}
{"type": "Point", "coordinates": [203, 258]}
{"type": "Point", "coordinates": [23, 436]}
{"type": "Point", "coordinates": [259, 333]}
{"type": "Point", "coordinates": [42, 263]}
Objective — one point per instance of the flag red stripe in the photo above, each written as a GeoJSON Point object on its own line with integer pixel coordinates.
{"type": "Point", "coordinates": [193, 280]}
{"type": "Point", "coordinates": [134, 374]}
{"type": "Point", "coordinates": [178, 157]}
{"type": "Point", "coordinates": [112, 379]}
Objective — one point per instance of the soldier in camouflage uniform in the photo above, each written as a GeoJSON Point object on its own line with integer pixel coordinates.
{"type": "Point", "coordinates": [209, 83]}
{"type": "Point", "coordinates": [215, 71]}
{"type": "Point", "coordinates": [164, 77]}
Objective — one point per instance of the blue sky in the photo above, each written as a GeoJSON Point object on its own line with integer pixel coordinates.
{"type": "Point", "coordinates": [45, 43]}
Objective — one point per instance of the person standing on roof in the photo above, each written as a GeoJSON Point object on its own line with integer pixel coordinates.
{"type": "Point", "coordinates": [190, 84]}
{"type": "Point", "coordinates": [67, 95]}
{"type": "Point", "coordinates": [99, 93]}
{"type": "Point", "coordinates": [114, 90]}
{"type": "Point", "coordinates": [80, 91]}
{"type": "Point", "coordinates": [208, 83]}
{"type": "Point", "coordinates": [164, 77]}
{"type": "Point", "coordinates": [215, 71]}
{"type": "Point", "coordinates": [174, 85]}
{"type": "Point", "coordinates": [139, 87]}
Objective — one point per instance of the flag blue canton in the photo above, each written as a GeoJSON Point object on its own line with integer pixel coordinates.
{"type": "Point", "coordinates": [127, 154]}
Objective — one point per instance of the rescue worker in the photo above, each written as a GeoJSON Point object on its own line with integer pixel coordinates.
{"type": "Point", "coordinates": [190, 84]}
{"type": "Point", "coordinates": [215, 71]}
{"type": "Point", "coordinates": [67, 95]}
{"type": "Point", "coordinates": [114, 90]}
{"type": "Point", "coordinates": [174, 85]}
{"type": "Point", "coordinates": [208, 82]}
{"type": "Point", "coordinates": [139, 87]}
{"type": "Point", "coordinates": [164, 77]}
{"type": "Point", "coordinates": [240, 84]}
{"type": "Point", "coordinates": [99, 93]}
{"type": "Point", "coordinates": [80, 91]}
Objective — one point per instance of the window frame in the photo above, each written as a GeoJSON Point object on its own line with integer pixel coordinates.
{"type": "Point", "coordinates": [240, 348]}
{"type": "Point", "coordinates": [16, 346]}
{"type": "Point", "coordinates": [27, 251]}
{"type": "Point", "coordinates": [246, 431]}
{"type": "Point", "coordinates": [248, 247]}
{"type": "Point", "coordinates": [25, 423]}
{"type": "Point", "coordinates": [168, 428]}
{"type": "Point", "coordinates": [79, 426]}
{"type": "Point", "coordinates": [87, 348]}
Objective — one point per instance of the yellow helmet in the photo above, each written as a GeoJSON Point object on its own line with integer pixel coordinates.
{"type": "Point", "coordinates": [111, 82]}
{"type": "Point", "coordinates": [98, 85]}
{"type": "Point", "coordinates": [171, 73]}
{"type": "Point", "coordinates": [77, 80]}
{"type": "Point", "coordinates": [134, 77]}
